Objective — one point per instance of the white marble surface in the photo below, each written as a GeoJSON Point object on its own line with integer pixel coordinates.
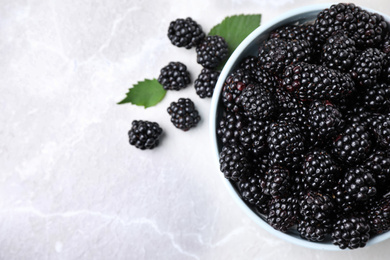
{"type": "Point", "coordinates": [71, 187]}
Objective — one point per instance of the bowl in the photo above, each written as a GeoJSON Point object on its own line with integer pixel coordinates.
{"type": "Point", "coordinates": [249, 46]}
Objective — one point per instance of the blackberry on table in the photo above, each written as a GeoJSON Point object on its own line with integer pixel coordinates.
{"type": "Point", "coordinates": [185, 33]}
{"type": "Point", "coordinates": [257, 102]}
{"type": "Point", "coordinates": [277, 182]}
{"type": "Point", "coordinates": [233, 162]}
{"type": "Point", "coordinates": [351, 232]}
{"type": "Point", "coordinates": [205, 83]}
{"type": "Point", "coordinates": [144, 134]}
{"type": "Point", "coordinates": [283, 213]}
{"type": "Point", "coordinates": [233, 86]}
{"type": "Point", "coordinates": [183, 114]}
{"type": "Point", "coordinates": [275, 54]}
{"type": "Point", "coordinates": [211, 51]}
{"type": "Point", "coordinates": [174, 76]}
{"type": "Point", "coordinates": [310, 81]}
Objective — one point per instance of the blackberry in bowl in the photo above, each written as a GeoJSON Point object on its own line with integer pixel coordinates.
{"type": "Point", "coordinates": [288, 107]}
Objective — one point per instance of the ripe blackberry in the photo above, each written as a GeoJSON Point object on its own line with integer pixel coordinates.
{"type": "Point", "coordinates": [376, 98]}
{"type": "Point", "coordinates": [251, 191]}
{"type": "Point", "coordinates": [174, 76]}
{"type": "Point", "coordinates": [211, 51]}
{"type": "Point", "coordinates": [338, 52]}
{"type": "Point", "coordinates": [367, 67]}
{"type": "Point", "coordinates": [283, 213]}
{"type": "Point", "coordinates": [183, 114]}
{"type": "Point", "coordinates": [277, 182]}
{"type": "Point", "coordinates": [275, 54]}
{"type": "Point", "coordinates": [352, 145]}
{"type": "Point", "coordinates": [259, 75]}
{"type": "Point", "coordinates": [144, 134]}
{"type": "Point", "coordinates": [313, 230]}
{"type": "Point", "coordinates": [286, 144]}
{"type": "Point", "coordinates": [234, 162]}
{"type": "Point", "coordinates": [351, 232]}
{"type": "Point", "coordinates": [320, 171]}
{"type": "Point", "coordinates": [257, 102]}
{"type": "Point", "coordinates": [309, 81]}
{"type": "Point", "coordinates": [380, 126]}
{"type": "Point", "coordinates": [229, 127]}
{"type": "Point", "coordinates": [378, 164]}
{"type": "Point", "coordinates": [205, 83]}
{"type": "Point", "coordinates": [356, 188]}
{"type": "Point", "coordinates": [379, 216]}
{"type": "Point", "coordinates": [233, 86]}
{"type": "Point", "coordinates": [254, 136]}
{"type": "Point", "coordinates": [318, 206]}
{"type": "Point", "coordinates": [292, 32]}
{"type": "Point", "coordinates": [325, 119]}
{"type": "Point", "coordinates": [185, 33]}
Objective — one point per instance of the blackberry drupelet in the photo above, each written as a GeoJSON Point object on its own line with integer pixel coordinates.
{"type": "Point", "coordinates": [229, 127]}
{"type": "Point", "coordinates": [352, 145]}
{"type": "Point", "coordinates": [367, 67]}
{"type": "Point", "coordinates": [277, 182]}
{"type": "Point", "coordinates": [233, 162]}
{"type": "Point", "coordinates": [257, 102]}
{"type": "Point", "coordinates": [351, 232]}
{"type": "Point", "coordinates": [380, 126]}
{"type": "Point", "coordinates": [283, 213]}
{"type": "Point", "coordinates": [233, 86]}
{"type": "Point", "coordinates": [174, 76]}
{"type": "Point", "coordinates": [183, 114]}
{"type": "Point", "coordinates": [254, 136]}
{"type": "Point", "coordinates": [310, 81]}
{"type": "Point", "coordinates": [275, 54]}
{"type": "Point", "coordinates": [205, 83]}
{"type": "Point", "coordinates": [324, 119]}
{"type": "Point", "coordinates": [379, 216]}
{"type": "Point", "coordinates": [211, 51]}
{"type": "Point", "coordinates": [338, 52]}
{"type": "Point", "coordinates": [313, 230]}
{"type": "Point", "coordinates": [144, 134]}
{"type": "Point", "coordinates": [320, 171]}
{"type": "Point", "coordinates": [286, 144]}
{"type": "Point", "coordinates": [185, 33]}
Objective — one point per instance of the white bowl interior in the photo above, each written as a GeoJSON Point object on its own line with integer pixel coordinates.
{"type": "Point", "coordinates": [250, 47]}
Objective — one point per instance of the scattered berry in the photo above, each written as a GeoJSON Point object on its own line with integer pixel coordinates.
{"type": "Point", "coordinates": [205, 83]}
{"type": "Point", "coordinates": [211, 51]}
{"type": "Point", "coordinates": [183, 114]}
{"type": "Point", "coordinates": [185, 33]}
{"type": "Point", "coordinates": [144, 134]}
{"type": "Point", "coordinates": [174, 76]}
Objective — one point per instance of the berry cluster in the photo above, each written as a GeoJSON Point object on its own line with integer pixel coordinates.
{"type": "Point", "coordinates": [305, 127]}
{"type": "Point", "coordinates": [211, 51]}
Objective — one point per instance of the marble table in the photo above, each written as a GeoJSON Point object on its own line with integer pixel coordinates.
{"type": "Point", "coordinates": [71, 186]}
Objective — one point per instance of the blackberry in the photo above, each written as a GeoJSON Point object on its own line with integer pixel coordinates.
{"type": "Point", "coordinates": [379, 216]}
{"type": "Point", "coordinates": [229, 127]}
{"type": "Point", "coordinates": [378, 164]}
{"type": "Point", "coordinates": [313, 230]}
{"type": "Point", "coordinates": [318, 206]}
{"type": "Point", "coordinates": [205, 83]}
{"type": "Point", "coordinates": [352, 145]}
{"type": "Point", "coordinates": [233, 86]}
{"type": "Point", "coordinates": [325, 119]}
{"type": "Point", "coordinates": [174, 76]}
{"type": "Point", "coordinates": [377, 97]}
{"type": "Point", "coordinates": [275, 54]}
{"type": "Point", "coordinates": [144, 134]}
{"type": "Point", "coordinates": [185, 33]}
{"type": "Point", "coordinates": [251, 191]}
{"type": "Point", "coordinates": [254, 136]}
{"type": "Point", "coordinates": [292, 32]}
{"type": "Point", "coordinates": [367, 67]}
{"type": "Point", "coordinates": [183, 114]}
{"type": "Point", "coordinates": [283, 213]}
{"type": "Point", "coordinates": [356, 188]}
{"type": "Point", "coordinates": [211, 51]}
{"type": "Point", "coordinates": [277, 182]}
{"type": "Point", "coordinates": [320, 171]}
{"type": "Point", "coordinates": [259, 75]}
{"type": "Point", "coordinates": [351, 232]}
{"type": "Point", "coordinates": [338, 52]}
{"type": "Point", "coordinates": [233, 162]}
{"type": "Point", "coordinates": [286, 144]}
{"type": "Point", "coordinates": [380, 126]}
{"type": "Point", "coordinates": [309, 82]}
{"type": "Point", "coordinates": [257, 102]}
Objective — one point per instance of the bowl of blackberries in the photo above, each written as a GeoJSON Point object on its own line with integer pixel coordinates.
{"type": "Point", "coordinates": [300, 121]}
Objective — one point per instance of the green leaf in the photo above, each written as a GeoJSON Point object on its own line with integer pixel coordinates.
{"type": "Point", "coordinates": [234, 29]}
{"type": "Point", "coordinates": [145, 93]}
